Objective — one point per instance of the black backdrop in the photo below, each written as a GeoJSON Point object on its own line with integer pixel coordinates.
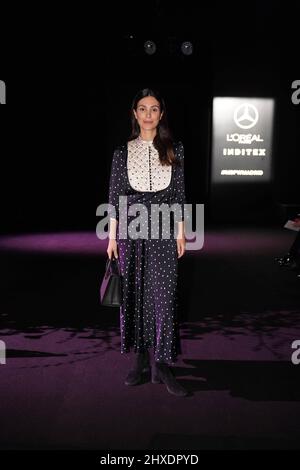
{"type": "Point", "coordinates": [70, 82]}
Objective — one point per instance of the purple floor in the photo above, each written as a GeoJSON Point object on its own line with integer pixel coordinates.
{"type": "Point", "coordinates": [62, 384]}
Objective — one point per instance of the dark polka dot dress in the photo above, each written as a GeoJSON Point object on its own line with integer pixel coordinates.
{"type": "Point", "coordinates": [149, 264]}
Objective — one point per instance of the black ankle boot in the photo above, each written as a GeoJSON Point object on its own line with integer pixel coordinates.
{"type": "Point", "coordinates": [162, 373]}
{"type": "Point", "coordinates": [141, 365]}
{"type": "Point", "coordinates": [155, 379]}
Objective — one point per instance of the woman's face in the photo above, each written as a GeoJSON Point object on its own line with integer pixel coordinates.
{"type": "Point", "coordinates": [148, 113]}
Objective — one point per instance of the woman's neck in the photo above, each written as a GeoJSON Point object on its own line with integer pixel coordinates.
{"type": "Point", "coordinates": [147, 135]}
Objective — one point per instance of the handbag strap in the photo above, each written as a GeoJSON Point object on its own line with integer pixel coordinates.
{"type": "Point", "coordinates": [108, 266]}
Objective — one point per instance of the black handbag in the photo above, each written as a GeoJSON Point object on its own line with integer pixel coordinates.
{"type": "Point", "coordinates": [111, 285]}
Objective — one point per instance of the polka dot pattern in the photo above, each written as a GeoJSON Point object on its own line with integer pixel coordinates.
{"type": "Point", "coordinates": [149, 266]}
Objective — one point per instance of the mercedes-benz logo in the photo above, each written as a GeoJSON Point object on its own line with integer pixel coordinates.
{"type": "Point", "coordinates": [245, 116]}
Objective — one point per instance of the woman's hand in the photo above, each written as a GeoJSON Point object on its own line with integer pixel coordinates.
{"type": "Point", "coordinates": [112, 249]}
{"type": "Point", "coordinates": [180, 246]}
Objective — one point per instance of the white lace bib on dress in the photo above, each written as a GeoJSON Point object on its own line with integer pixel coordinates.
{"type": "Point", "coordinates": [145, 172]}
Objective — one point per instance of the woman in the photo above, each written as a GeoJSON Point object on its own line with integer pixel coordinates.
{"type": "Point", "coordinates": [149, 171]}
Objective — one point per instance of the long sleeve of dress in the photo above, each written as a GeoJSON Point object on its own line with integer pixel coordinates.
{"type": "Point", "coordinates": [179, 195]}
{"type": "Point", "coordinates": [115, 186]}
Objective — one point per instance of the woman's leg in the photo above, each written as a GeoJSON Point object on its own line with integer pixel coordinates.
{"type": "Point", "coordinates": [141, 364]}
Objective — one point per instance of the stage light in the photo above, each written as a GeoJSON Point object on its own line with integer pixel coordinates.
{"type": "Point", "coordinates": [187, 48]}
{"type": "Point", "coordinates": [150, 47]}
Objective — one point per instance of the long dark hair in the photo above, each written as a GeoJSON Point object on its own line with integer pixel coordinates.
{"type": "Point", "coordinates": [163, 141]}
